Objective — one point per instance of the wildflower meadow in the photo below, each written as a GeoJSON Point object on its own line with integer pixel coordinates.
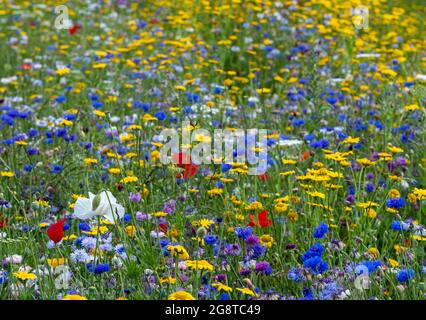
{"type": "Point", "coordinates": [212, 150]}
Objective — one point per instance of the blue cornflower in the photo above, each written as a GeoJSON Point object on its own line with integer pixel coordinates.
{"type": "Point", "coordinates": [98, 269]}
{"type": "Point", "coordinates": [321, 230]}
{"type": "Point", "coordinates": [316, 265]}
{"type": "Point", "coordinates": [395, 203]}
{"type": "Point", "coordinates": [405, 275]}
{"type": "Point", "coordinates": [400, 225]}
{"type": "Point", "coordinates": [57, 168]}
{"type": "Point", "coordinates": [210, 239]}
{"type": "Point", "coordinates": [315, 250]}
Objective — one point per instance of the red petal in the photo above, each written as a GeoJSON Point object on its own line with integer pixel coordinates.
{"type": "Point", "coordinates": [181, 159]}
{"type": "Point", "coordinates": [251, 223]}
{"type": "Point", "coordinates": [56, 231]}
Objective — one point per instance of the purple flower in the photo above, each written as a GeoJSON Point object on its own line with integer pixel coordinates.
{"type": "Point", "coordinates": [170, 206]}
{"type": "Point", "coordinates": [252, 240]}
{"type": "Point", "coordinates": [370, 176]}
{"type": "Point", "coordinates": [232, 249]}
{"type": "Point", "coordinates": [263, 267]}
{"type": "Point", "coordinates": [244, 272]}
{"type": "Point", "coordinates": [135, 197]}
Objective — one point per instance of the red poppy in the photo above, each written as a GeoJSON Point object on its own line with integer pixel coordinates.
{"type": "Point", "coordinates": [26, 66]}
{"type": "Point", "coordinates": [163, 227]}
{"type": "Point", "coordinates": [74, 28]}
{"type": "Point", "coordinates": [305, 156]}
{"type": "Point", "coordinates": [252, 223]}
{"type": "Point", "coordinates": [263, 177]}
{"type": "Point", "coordinates": [56, 231]}
{"type": "Point", "coordinates": [153, 21]}
{"type": "Point", "coordinates": [263, 221]}
{"type": "Point", "coordinates": [3, 222]}
{"type": "Point", "coordinates": [183, 161]}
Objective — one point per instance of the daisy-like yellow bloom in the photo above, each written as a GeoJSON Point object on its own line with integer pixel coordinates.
{"type": "Point", "coordinates": [170, 280]}
{"type": "Point", "coordinates": [160, 214]}
{"type": "Point", "coordinates": [7, 174]}
{"type": "Point", "coordinates": [114, 170]}
{"type": "Point", "coordinates": [366, 205]}
{"type": "Point", "coordinates": [73, 297]}
{"type": "Point", "coordinates": [42, 203]}
{"type": "Point", "coordinates": [255, 205]}
{"type": "Point", "coordinates": [266, 240]}
{"type": "Point", "coordinates": [90, 161]}
{"type": "Point", "coordinates": [147, 117]}
{"type": "Point", "coordinates": [420, 193]}
{"type": "Point", "coordinates": [288, 161]}
{"type": "Point", "coordinates": [199, 265]}
{"type": "Point", "coordinates": [393, 263]}
{"type": "Point", "coordinates": [23, 275]}
{"type": "Point", "coordinates": [292, 216]}
{"type": "Point", "coordinates": [374, 252]}
{"type": "Point", "coordinates": [63, 71]}
{"type": "Point", "coordinates": [129, 179]}
{"type": "Point", "coordinates": [394, 149]}
{"type": "Point", "coordinates": [206, 223]}
{"type": "Point", "coordinates": [94, 231]}
{"type": "Point", "coordinates": [247, 291]}
{"type": "Point", "coordinates": [316, 194]}
{"type": "Point", "coordinates": [351, 140]}
{"type": "Point", "coordinates": [56, 262]}
{"type": "Point", "coordinates": [412, 107]}
{"type": "Point", "coordinates": [178, 251]}
{"type": "Point", "coordinates": [99, 113]}
{"type": "Point", "coordinates": [215, 191]}
{"type": "Point", "coordinates": [394, 193]}
{"type": "Point", "coordinates": [365, 162]}
{"type": "Point", "coordinates": [371, 213]}
{"type": "Point", "coordinates": [131, 231]}
{"type": "Point", "coordinates": [221, 287]}
{"type": "Point", "coordinates": [180, 295]}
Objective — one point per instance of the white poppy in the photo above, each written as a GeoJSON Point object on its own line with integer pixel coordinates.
{"type": "Point", "coordinates": [103, 204]}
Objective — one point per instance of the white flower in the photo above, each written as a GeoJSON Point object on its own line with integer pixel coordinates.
{"type": "Point", "coordinates": [103, 204]}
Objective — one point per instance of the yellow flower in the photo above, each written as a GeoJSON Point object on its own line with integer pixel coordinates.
{"type": "Point", "coordinates": [266, 240]}
{"type": "Point", "coordinates": [351, 140]}
{"type": "Point", "coordinates": [129, 179]}
{"type": "Point", "coordinates": [55, 262]}
{"type": "Point", "coordinates": [420, 193]}
{"type": "Point", "coordinates": [206, 223]}
{"type": "Point", "coordinates": [371, 213]}
{"type": "Point", "coordinates": [99, 113]}
{"type": "Point", "coordinates": [178, 251]}
{"type": "Point", "coordinates": [292, 216]}
{"type": "Point", "coordinates": [73, 297]}
{"type": "Point", "coordinates": [393, 263]}
{"type": "Point", "coordinates": [7, 174]}
{"type": "Point", "coordinates": [374, 252]}
{"type": "Point", "coordinates": [23, 275]}
{"type": "Point", "coordinates": [221, 287]}
{"type": "Point", "coordinates": [215, 191]}
{"type": "Point", "coordinates": [255, 205]}
{"type": "Point", "coordinates": [90, 161]}
{"type": "Point", "coordinates": [160, 214]}
{"type": "Point", "coordinates": [131, 231]}
{"type": "Point", "coordinates": [180, 295]}
{"type": "Point", "coordinates": [168, 280]}
{"type": "Point", "coordinates": [316, 194]}
{"type": "Point", "coordinates": [199, 265]}
{"type": "Point", "coordinates": [394, 194]}
{"type": "Point", "coordinates": [114, 170]}
{"type": "Point", "coordinates": [247, 291]}
{"type": "Point", "coordinates": [395, 149]}
{"type": "Point", "coordinates": [63, 71]}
